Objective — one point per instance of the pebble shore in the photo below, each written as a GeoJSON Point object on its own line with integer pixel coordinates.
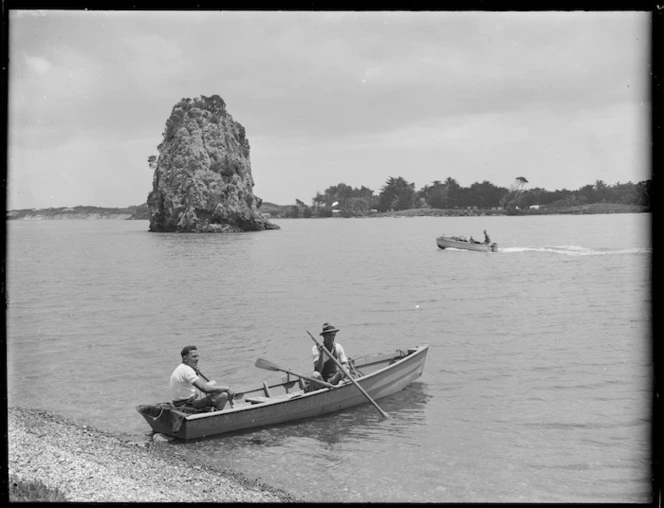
{"type": "Point", "coordinates": [88, 465]}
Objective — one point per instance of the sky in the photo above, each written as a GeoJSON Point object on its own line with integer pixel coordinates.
{"type": "Point", "coordinates": [559, 98]}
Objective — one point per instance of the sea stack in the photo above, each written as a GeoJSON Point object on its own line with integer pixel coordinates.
{"type": "Point", "coordinates": [202, 176]}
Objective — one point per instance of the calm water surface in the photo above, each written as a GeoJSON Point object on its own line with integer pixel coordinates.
{"type": "Point", "coordinates": [537, 385]}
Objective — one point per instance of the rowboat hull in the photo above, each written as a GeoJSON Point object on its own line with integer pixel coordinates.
{"type": "Point", "coordinates": [383, 374]}
{"type": "Point", "coordinates": [445, 242]}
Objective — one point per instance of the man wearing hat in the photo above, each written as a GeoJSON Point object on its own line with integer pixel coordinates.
{"type": "Point", "coordinates": [324, 367]}
{"type": "Point", "coordinates": [186, 378]}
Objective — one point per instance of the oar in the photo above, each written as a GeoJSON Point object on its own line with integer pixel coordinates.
{"type": "Point", "coordinates": [264, 364]}
{"type": "Point", "coordinates": [331, 356]}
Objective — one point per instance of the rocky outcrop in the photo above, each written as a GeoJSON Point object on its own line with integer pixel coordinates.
{"type": "Point", "coordinates": [202, 177]}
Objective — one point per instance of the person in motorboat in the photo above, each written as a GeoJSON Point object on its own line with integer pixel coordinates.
{"type": "Point", "coordinates": [324, 367]}
{"type": "Point", "coordinates": [186, 378]}
{"type": "Point", "coordinates": [472, 240]}
{"type": "Point", "coordinates": [487, 240]}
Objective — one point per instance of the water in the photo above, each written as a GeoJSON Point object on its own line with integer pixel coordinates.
{"type": "Point", "coordinates": [537, 385]}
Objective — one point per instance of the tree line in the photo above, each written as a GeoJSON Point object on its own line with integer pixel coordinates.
{"type": "Point", "coordinates": [400, 194]}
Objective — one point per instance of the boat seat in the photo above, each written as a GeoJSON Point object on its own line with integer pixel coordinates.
{"type": "Point", "coordinates": [258, 399]}
{"type": "Point", "coordinates": [289, 383]}
{"type": "Point", "coordinates": [261, 400]}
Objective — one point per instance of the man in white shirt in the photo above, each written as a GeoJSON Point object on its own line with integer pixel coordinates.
{"type": "Point", "coordinates": [324, 367]}
{"type": "Point", "coordinates": [186, 378]}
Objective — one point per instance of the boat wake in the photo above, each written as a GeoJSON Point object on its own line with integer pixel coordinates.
{"type": "Point", "coordinates": [575, 250]}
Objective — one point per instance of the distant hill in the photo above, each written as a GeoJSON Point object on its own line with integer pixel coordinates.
{"type": "Point", "coordinates": [76, 212]}
{"type": "Point", "coordinates": [142, 212]}
{"type": "Point", "coordinates": [274, 210]}
{"type": "Point", "coordinates": [138, 212]}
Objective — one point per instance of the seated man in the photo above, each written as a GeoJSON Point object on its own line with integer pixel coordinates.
{"type": "Point", "coordinates": [324, 367]}
{"type": "Point", "coordinates": [186, 378]}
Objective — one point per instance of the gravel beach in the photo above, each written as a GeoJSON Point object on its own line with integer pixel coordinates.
{"type": "Point", "coordinates": [89, 465]}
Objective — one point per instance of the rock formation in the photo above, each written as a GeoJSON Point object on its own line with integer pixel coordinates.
{"type": "Point", "coordinates": [202, 177]}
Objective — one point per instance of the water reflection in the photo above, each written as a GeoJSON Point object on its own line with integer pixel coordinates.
{"type": "Point", "coordinates": [298, 456]}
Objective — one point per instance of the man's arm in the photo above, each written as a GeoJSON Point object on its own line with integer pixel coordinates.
{"type": "Point", "coordinates": [211, 387]}
{"type": "Point", "coordinates": [343, 359]}
{"type": "Point", "coordinates": [320, 362]}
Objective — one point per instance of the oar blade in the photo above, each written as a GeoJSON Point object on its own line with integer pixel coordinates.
{"type": "Point", "coordinates": [264, 364]}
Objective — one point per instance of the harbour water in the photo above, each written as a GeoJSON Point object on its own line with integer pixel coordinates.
{"type": "Point", "coordinates": [537, 386]}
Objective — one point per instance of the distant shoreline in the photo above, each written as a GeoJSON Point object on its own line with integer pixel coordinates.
{"type": "Point", "coordinates": [96, 213]}
{"type": "Point", "coordinates": [595, 208]}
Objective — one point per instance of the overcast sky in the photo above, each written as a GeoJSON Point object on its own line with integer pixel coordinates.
{"type": "Point", "coordinates": [559, 98]}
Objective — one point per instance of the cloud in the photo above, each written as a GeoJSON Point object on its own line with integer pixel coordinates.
{"type": "Point", "coordinates": [39, 65]}
{"type": "Point", "coordinates": [357, 95]}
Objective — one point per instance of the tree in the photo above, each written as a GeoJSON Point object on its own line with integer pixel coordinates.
{"type": "Point", "coordinates": [355, 207]}
{"type": "Point", "coordinates": [643, 193]}
{"type": "Point", "coordinates": [510, 201]}
{"type": "Point", "coordinates": [588, 192]}
{"type": "Point", "coordinates": [452, 192]}
{"type": "Point", "coordinates": [318, 200]}
{"type": "Point", "coordinates": [600, 191]}
{"type": "Point", "coordinates": [487, 194]}
{"type": "Point", "coordinates": [341, 193]}
{"type": "Point", "coordinates": [434, 195]}
{"type": "Point", "coordinates": [397, 194]}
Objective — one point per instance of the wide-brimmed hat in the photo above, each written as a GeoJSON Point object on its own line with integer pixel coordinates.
{"type": "Point", "coordinates": [328, 328]}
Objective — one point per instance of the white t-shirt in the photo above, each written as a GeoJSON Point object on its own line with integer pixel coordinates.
{"type": "Point", "coordinates": [341, 354]}
{"type": "Point", "coordinates": [182, 382]}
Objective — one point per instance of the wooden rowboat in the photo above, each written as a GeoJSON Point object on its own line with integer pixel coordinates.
{"type": "Point", "coordinates": [456, 242]}
{"type": "Point", "coordinates": [379, 374]}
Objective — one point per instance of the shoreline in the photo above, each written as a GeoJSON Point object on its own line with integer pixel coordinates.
{"type": "Point", "coordinates": [117, 214]}
{"type": "Point", "coordinates": [90, 465]}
